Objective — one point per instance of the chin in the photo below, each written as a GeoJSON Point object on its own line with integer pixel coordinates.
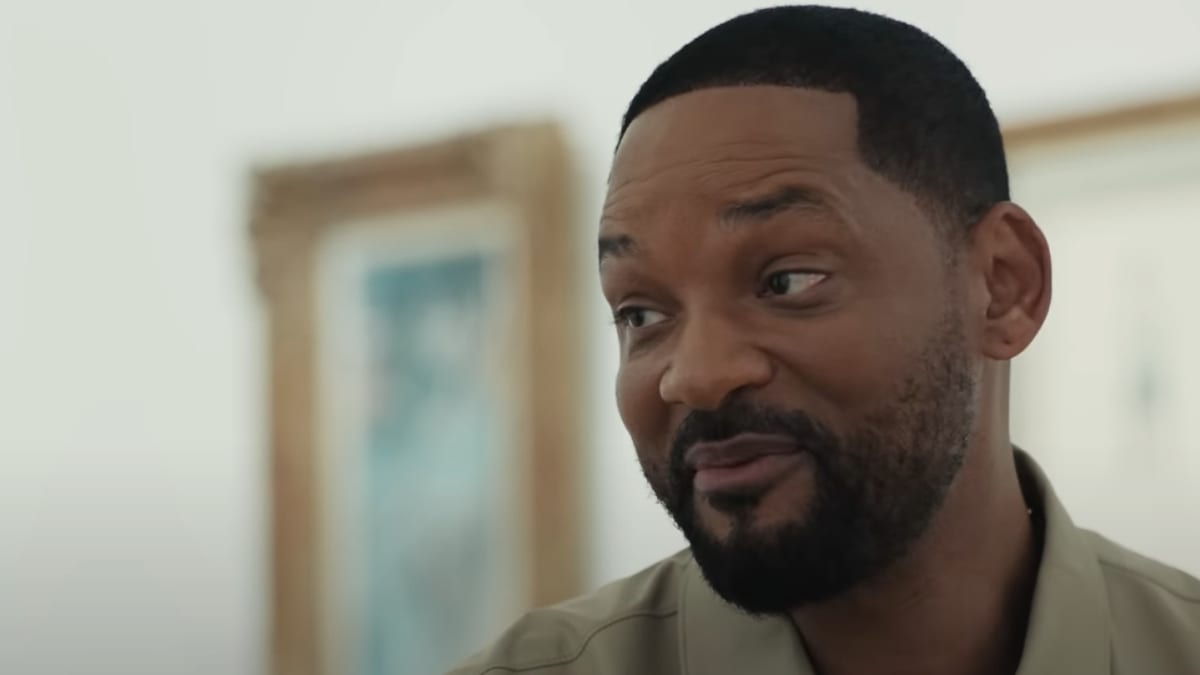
{"type": "Point", "coordinates": [720, 519]}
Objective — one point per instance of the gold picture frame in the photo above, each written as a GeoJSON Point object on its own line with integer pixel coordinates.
{"type": "Point", "coordinates": [398, 202]}
{"type": "Point", "coordinates": [1021, 138]}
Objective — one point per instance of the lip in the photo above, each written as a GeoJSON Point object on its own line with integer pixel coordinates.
{"type": "Point", "coordinates": [743, 463]}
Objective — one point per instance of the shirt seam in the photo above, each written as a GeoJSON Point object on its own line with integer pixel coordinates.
{"type": "Point", "coordinates": [562, 661]}
{"type": "Point", "coordinates": [1150, 580]}
{"type": "Point", "coordinates": [684, 665]}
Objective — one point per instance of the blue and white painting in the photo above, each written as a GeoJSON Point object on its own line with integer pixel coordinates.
{"type": "Point", "coordinates": [429, 465]}
{"type": "Point", "coordinates": [422, 516]}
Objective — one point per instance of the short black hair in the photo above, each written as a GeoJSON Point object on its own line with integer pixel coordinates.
{"type": "Point", "coordinates": [924, 123]}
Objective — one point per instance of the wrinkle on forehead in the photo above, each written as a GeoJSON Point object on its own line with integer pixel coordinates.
{"type": "Point", "coordinates": [638, 198]}
{"type": "Point", "coordinates": [715, 142]}
{"type": "Point", "coordinates": [737, 120]}
{"type": "Point", "coordinates": [690, 156]}
{"type": "Point", "coordinates": [714, 161]}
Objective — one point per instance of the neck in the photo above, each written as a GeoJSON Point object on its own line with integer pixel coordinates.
{"type": "Point", "coordinates": [959, 600]}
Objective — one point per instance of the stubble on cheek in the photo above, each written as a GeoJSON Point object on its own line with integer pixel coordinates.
{"type": "Point", "coordinates": [655, 468]}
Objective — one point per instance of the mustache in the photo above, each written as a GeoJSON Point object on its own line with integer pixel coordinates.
{"type": "Point", "coordinates": [741, 416]}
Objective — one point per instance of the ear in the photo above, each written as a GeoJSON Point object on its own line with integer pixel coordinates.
{"type": "Point", "coordinates": [1013, 260]}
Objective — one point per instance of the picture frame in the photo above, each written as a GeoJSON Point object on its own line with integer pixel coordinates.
{"type": "Point", "coordinates": [424, 387]}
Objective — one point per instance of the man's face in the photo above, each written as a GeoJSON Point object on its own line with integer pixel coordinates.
{"type": "Point", "coordinates": [797, 373]}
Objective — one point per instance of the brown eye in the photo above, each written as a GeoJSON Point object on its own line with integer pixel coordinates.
{"type": "Point", "coordinates": [638, 317]}
{"type": "Point", "coordinates": [791, 283]}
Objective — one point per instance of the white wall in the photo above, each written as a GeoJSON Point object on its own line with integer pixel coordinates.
{"type": "Point", "coordinates": [1106, 396]}
{"type": "Point", "coordinates": [131, 437]}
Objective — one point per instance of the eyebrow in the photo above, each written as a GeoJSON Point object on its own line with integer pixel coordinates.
{"type": "Point", "coordinates": [761, 208]}
{"type": "Point", "coordinates": [732, 215]}
{"type": "Point", "coordinates": [616, 246]}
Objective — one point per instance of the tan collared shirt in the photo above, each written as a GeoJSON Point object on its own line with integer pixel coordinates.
{"type": "Point", "coordinates": [1097, 608]}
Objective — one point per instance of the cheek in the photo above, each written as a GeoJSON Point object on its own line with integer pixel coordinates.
{"type": "Point", "coordinates": [849, 362]}
{"type": "Point", "coordinates": [642, 410]}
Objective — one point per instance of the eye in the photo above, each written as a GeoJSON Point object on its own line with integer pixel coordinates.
{"type": "Point", "coordinates": [791, 283]}
{"type": "Point", "coordinates": [638, 317]}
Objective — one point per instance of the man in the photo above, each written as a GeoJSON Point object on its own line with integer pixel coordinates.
{"type": "Point", "coordinates": [818, 281]}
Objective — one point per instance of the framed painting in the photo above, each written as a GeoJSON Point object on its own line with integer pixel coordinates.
{"type": "Point", "coordinates": [1106, 395]}
{"type": "Point", "coordinates": [424, 398]}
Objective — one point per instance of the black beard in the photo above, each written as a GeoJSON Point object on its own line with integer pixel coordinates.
{"type": "Point", "coordinates": [875, 491]}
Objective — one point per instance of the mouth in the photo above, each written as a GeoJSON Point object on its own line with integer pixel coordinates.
{"type": "Point", "coordinates": [745, 463]}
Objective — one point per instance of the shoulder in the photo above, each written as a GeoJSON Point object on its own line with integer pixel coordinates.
{"type": "Point", "coordinates": [1128, 570]}
{"type": "Point", "coordinates": [1155, 608]}
{"type": "Point", "coordinates": [630, 621]}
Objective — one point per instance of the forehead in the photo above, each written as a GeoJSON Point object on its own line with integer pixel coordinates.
{"type": "Point", "coordinates": [686, 161]}
{"type": "Point", "coordinates": [730, 134]}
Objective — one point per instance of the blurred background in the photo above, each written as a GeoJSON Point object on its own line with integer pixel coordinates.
{"type": "Point", "coordinates": [134, 481]}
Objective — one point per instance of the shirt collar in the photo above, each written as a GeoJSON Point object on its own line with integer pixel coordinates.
{"type": "Point", "coordinates": [716, 638]}
{"type": "Point", "coordinates": [1068, 624]}
{"type": "Point", "coordinates": [1069, 620]}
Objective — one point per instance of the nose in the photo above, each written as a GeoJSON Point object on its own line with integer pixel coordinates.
{"type": "Point", "coordinates": [714, 358]}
